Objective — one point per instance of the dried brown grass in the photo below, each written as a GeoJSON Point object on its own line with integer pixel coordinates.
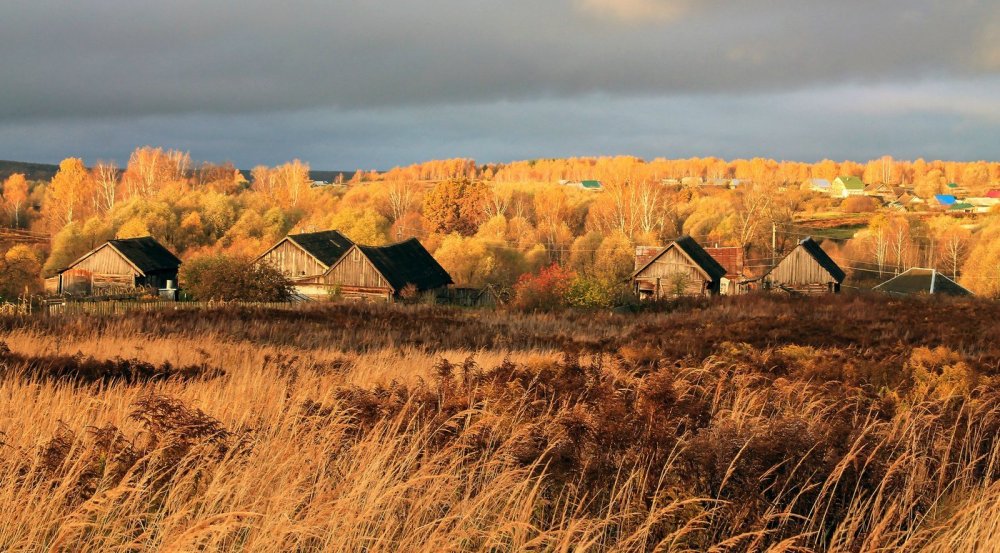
{"type": "Point", "coordinates": [749, 425]}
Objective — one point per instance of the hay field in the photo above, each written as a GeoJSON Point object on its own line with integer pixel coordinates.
{"type": "Point", "coordinates": [746, 424]}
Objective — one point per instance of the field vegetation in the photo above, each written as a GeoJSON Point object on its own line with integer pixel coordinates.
{"type": "Point", "coordinates": [753, 423]}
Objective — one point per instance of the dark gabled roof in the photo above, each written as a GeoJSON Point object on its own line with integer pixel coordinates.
{"type": "Point", "coordinates": [922, 281]}
{"type": "Point", "coordinates": [817, 253]}
{"type": "Point", "coordinates": [701, 258]}
{"type": "Point", "coordinates": [407, 262]}
{"type": "Point", "coordinates": [327, 246]}
{"type": "Point", "coordinates": [148, 255]}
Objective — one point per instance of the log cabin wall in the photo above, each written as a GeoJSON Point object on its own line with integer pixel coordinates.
{"type": "Point", "coordinates": [104, 268]}
{"type": "Point", "coordinates": [293, 261]}
{"type": "Point", "coordinates": [355, 274]}
{"type": "Point", "coordinates": [672, 265]}
{"type": "Point", "coordinates": [801, 273]}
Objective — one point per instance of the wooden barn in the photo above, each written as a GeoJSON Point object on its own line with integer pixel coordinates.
{"type": "Point", "coordinates": [683, 268]}
{"type": "Point", "coordinates": [918, 281]}
{"type": "Point", "coordinates": [387, 272]}
{"type": "Point", "coordinates": [308, 255]}
{"type": "Point", "coordinates": [119, 265]}
{"type": "Point", "coordinates": [806, 270]}
{"type": "Point", "coordinates": [304, 258]}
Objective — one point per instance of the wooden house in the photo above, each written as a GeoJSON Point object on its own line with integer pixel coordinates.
{"type": "Point", "coordinates": [683, 268]}
{"type": "Point", "coordinates": [302, 257]}
{"type": "Point", "coordinates": [806, 270]}
{"type": "Point", "coordinates": [119, 265]}
{"type": "Point", "coordinates": [386, 272]}
{"type": "Point", "coordinates": [881, 190]}
{"type": "Point", "coordinates": [922, 281]}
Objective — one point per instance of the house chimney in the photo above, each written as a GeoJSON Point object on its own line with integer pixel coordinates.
{"type": "Point", "coordinates": [643, 254]}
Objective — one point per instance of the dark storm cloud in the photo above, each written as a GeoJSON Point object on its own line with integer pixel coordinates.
{"type": "Point", "coordinates": [70, 59]}
{"type": "Point", "coordinates": [957, 121]}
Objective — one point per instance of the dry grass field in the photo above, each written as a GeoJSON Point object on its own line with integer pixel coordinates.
{"type": "Point", "coordinates": [847, 423]}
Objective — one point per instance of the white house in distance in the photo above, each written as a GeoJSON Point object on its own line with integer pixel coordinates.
{"type": "Point", "coordinates": [844, 186]}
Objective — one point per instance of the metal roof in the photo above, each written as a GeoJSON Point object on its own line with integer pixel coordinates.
{"type": "Point", "coordinates": [922, 281]}
{"type": "Point", "coordinates": [327, 246]}
{"type": "Point", "coordinates": [407, 262]}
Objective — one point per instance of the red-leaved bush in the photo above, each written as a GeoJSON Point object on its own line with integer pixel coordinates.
{"type": "Point", "coordinates": [544, 291]}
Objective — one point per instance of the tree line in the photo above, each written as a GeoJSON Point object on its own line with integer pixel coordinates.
{"type": "Point", "coordinates": [490, 224]}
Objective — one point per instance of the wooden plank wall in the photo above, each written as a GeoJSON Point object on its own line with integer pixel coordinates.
{"type": "Point", "coordinates": [104, 268]}
{"type": "Point", "coordinates": [355, 271]}
{"type": "Point", "coordinates": [667, 267]}
{"type": "Point", "coordinates": [799, 271]}
{"type": "Point", "coordinates": [293, 261]}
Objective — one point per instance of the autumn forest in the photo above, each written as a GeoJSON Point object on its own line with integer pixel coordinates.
{"type": "Point", "coordinates": [490, 224]}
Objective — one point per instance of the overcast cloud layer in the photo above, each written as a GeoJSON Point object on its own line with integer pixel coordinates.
{"type": "Point", "coordinates": [358, 83]}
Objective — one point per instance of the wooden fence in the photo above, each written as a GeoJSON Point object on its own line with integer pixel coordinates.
{"type": "Point", "coordinates": [136, 306]}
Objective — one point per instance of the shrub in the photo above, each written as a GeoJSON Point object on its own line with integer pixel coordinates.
{"type": "Point", "coordinates": [596, 293]}
{"type": "Point", "coordinates": [234, 278]}
{"type": "Point", "coordinates": [858, 204]}
{"type": "Point", "coordinates": [544, 291]}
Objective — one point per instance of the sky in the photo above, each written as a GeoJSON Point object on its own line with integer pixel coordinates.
{"type": "Point", "coordinates": [365, 84]}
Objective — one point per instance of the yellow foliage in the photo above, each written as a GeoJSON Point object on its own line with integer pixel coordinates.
{"type": "Point", "coordinates": [133, 228]}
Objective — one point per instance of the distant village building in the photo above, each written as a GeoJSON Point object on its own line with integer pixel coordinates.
{"type": "Point", "coordinates": [683, 268]}
{"type": "Point", "coordinates": [922, 281]}
{"type": "Point", "coordinates": [983, 204]}
{"type": "Point", "coordinates": [119, 265]}
{"type": "Point", "coordinates": [806, 270]}
{"type": "Point", "coordinates": [589, 185]}
{"type": "Point", "coordinates": [943, 201]}
{"type": "Point", "coordinates": [955, 190]}
{"type": "Point", "coordinates": [962, 207]}
{"type": "Point", "coordinates": [842, 187]}
{"type": "Point", "coordinates": [305, 257]}
{"type": "Point", "coordinates": [818, 185]}
{"type": "Point", "coordinates": [882, 190]}
{"type": "Point", "coordinates": [386, 272]}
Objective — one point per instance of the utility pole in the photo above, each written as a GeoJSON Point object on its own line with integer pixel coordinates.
{"type": "Point", "coordinates": [774, 241]}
